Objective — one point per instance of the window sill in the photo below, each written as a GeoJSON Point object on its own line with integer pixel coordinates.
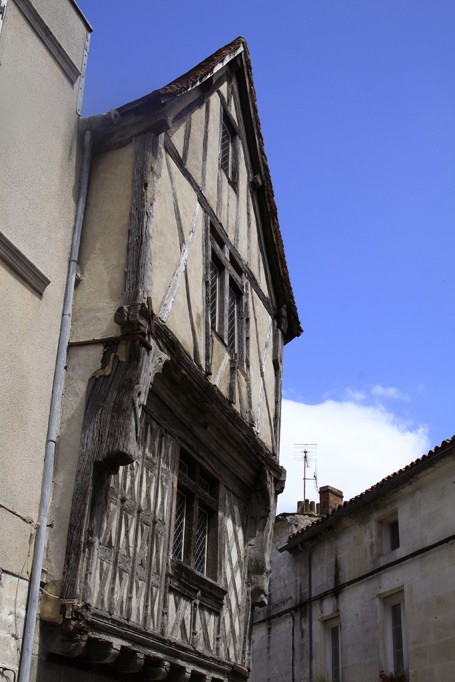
{"type": "Point", "coordinates": [196, 586]}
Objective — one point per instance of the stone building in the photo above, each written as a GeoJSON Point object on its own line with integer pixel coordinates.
{"type": "Point", "coordinates": [43, 48]}
{"type": "Point", "coordinates": [367, 587]}
{"type": "Point", "coordinates": [160, 499]}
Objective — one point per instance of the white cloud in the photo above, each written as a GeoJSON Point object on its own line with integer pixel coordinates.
{"type": "Point", "coordinates": [351, 394]}
{"type": "Point", "coordinates": [388, 392]}
{"type": "Point", "coordinates": [358, 445]}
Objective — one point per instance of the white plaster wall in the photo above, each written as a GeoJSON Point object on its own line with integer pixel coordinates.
{"type": "Point", "coordinates": [66, 22]}
{"type": "Point", "coordinates": [236, 214]}
{"type": "Point", "coordinates": [275, 656]}
{"type": "Point", "coordinates": [97, 297]}
{"type": "Point", "coordinates": [13, 595]}
{"type": "Point", "coordinates": [38, 149]}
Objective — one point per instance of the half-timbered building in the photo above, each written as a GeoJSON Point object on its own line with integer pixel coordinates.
{"type": "Point", "coordinates": [167, 467]}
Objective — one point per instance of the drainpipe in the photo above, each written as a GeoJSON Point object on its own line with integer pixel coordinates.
{"type": "Point", "coordinates": [310, 617]}
{"type": "Point", "coordinates": [54, 420]}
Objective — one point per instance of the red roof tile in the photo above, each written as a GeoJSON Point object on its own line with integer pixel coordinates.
{"type": "Point", "coordinates": [383, 487]}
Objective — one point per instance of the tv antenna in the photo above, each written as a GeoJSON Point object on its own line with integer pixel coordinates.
{"type": "Point", "coordinates": [308, 453]}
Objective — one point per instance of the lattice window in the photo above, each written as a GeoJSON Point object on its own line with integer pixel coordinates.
{"type": "Point", "coordinates": [232, 320]}
{"type": "Point", "coordinates": [200, 548]}
{"type": "Point", "coordinates": [215, 290]}
{"type": "Point", "coordinates": [228, 148]}
{"type": "Point", "coordinates": [225, 298]}
{"type": "Point", "coordinates": [196, 518]}
{"type": "Point", "coordinates": [179, 527]}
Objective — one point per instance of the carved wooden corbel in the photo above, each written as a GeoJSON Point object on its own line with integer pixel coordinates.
{"type": "Point", "coordinates": [155, 669]}
{"type": "Point", "coordinates": [117, 392]}
{"type": "Point", "coordinates": [102, 651]}
{"type": "Point", "coordinates": [129, 661]}
{"type": "Point", "coordinates": [179, 674]}
{"type": "Point", "coordinates": [262, 516]}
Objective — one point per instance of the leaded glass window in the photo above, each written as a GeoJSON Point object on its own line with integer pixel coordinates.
{"type": "Point", "coordinates": [179, 526]}
{"type": "Point", "coordinates": [225, 295]}
{"type": "Point", "coordinates": [196, 517]}
{"type": "Point", "coordinates": [228, 148]}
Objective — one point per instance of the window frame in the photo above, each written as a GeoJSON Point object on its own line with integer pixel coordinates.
{"type": "Point", "coordinates": [229, 151]}
{"type": "Point", "coordinates": [333, 669]}
{"type": "Point", "coordinates": [201, 493]}
{"type": "Point", "coordinates": [391, 650]}
{"type": "Point", "coordinates": [229, 291]}
{"type": "Point", "coordinates": [389, 531]}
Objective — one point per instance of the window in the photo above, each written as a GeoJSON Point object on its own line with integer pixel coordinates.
{"type": "Point", "coordinates": [390, 533]}
{"type": "Point", "coordinates": [394, 534]}
{"type": "Point", "coordinates": [226, 295]}
{"type": "Point", "coordinates": [395, 631]}
{"type": "Point", "coordinates": [196, 519]}
{"type": "Point", "coordinates": [228, 148]}
{"type": "Point", "coordinates": [332, 650]}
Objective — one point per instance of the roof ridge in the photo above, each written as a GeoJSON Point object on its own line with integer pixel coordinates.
{"type": "Point", "coordinates": [437, 451]}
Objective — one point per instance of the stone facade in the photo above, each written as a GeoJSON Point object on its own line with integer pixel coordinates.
{"type": "Point", "coordinates": [368, 587]}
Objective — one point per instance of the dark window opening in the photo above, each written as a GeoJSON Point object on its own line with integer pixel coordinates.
{"type": "Point", "coordinates": [228, 150]}
{"type": "Point", "coordinates": [196, 518]}
{"type": "Point", "coordinates": [397, 638]}
{"type": "Point", "coordinates": [394, 532]}
{"type": "Point", "coordinates": [225, 299]}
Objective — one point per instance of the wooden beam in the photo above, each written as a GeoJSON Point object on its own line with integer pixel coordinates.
{"type": "Point", "coordinates": [129, 661]}
{"type": "Point", "coordinates": [155, 669]}
{"type": "Point", "coordinates": [102, 651]}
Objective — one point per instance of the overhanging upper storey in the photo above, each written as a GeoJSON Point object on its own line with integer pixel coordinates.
{"type": "Point", "coordinates": [167, 109]}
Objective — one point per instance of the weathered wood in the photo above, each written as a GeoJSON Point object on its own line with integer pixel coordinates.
{"type": "Point", "coordinates": [277, 364]}
{"type": "Point", "coordinates": [70, 639]}
{"type": "Point", "coordinates": [196, 395]}
{"type": "Point", "coordinates": [155, 669]}
{"type": "Point", "coordinates": [179, 674]}
{"type": "Point", "coordinates": [181, 270]}
{"type": "Point", "coordinates": [129, 661]}
{"type": "Point", "coordinates": [101, 651]}
{"type": "Point", "coordinates": [146, 176]}
{"type": "Point", "coordinates": [262, 514]}
{"type": "Point", "coordinates": [233, 368]}
{"type": "Point", "coordinates": [205, 146]}
{"type": "Point", "coordinates": [186, 141]}
{"type": "Point", "coordinates": [117, 391]}
{"type": "Point", "coordinates": [238, 673]}
{"type": "Point", "coordinates": [109, 436]}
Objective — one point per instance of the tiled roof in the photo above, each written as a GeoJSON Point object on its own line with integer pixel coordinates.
{"type": "Point", "coordinates": [384, 486]}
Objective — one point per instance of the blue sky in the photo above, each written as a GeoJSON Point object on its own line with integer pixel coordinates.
{"type": "Point", "coordinates": [357, 105]}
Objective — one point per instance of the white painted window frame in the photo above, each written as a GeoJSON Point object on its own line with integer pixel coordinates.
{"type": "Point", "coordinates": [329, 625]}
{"type": "Point", "coordinates": [388, 602]}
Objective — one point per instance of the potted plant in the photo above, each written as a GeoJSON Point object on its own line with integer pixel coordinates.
{"type": "Point", "coordinates": [392, 677]}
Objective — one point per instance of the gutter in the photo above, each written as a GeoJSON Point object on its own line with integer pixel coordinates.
{"type": "Point", "coordinates": [54, 420]}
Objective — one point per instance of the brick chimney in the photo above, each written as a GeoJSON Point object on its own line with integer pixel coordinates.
{"type": "Point", "coordinates": [329, 498]}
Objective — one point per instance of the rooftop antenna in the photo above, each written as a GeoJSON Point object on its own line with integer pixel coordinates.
{"type": "Point", "coordinates": [308, 453]}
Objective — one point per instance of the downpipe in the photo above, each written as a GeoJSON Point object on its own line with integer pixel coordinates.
{"type": "Point", "coordinates": [54, 420]}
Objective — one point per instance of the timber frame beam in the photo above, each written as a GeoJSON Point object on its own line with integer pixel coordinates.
{"type": "Point", "coordinates": [94, 641]}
